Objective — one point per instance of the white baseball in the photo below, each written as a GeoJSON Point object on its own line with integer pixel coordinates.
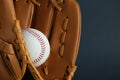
{"type": "Point", "coordinates": [37, 44]}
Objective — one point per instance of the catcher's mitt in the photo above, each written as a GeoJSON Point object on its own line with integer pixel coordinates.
{"type": "Point", "coordinates": [60, 21]}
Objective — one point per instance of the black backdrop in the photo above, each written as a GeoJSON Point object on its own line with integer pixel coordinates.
{"type": "Point", "coordinates": [99, 53]}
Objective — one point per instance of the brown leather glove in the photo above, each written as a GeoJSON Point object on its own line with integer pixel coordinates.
{"type": "Point", "coordinates": [14, 57]}
{"type": "Point", "coordinates": [59, 20]}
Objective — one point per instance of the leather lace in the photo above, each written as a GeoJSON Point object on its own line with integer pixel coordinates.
{"type": "Point", "coordinates": [55, 4]}
{"type": "Point", "coordinates": [25, 57]}
{"type": "Point", "coordinates": [35, 2]}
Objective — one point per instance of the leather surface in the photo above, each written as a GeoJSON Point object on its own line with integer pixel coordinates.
{"type": "Point", "coordinates": [24, 12]}
{"type": "Point", "coordinates": [64, 38]}
{"type": "Point", "coordinates": [61, 23]}
{"type": "Point", "coordinates": [9, 63]}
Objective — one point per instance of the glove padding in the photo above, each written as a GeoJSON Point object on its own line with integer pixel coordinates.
{"type": "Point", "coordinates": [60, 21]}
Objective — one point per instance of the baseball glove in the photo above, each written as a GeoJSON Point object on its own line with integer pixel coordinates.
{"type": "Point", "coordinates": [60, 21]}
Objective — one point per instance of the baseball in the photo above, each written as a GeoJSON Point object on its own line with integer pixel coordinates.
{"type": "Point", "coordinates": [37, 44]}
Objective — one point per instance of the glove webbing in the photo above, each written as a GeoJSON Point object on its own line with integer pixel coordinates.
{"type": "Point", "coordinates": [25, 56]}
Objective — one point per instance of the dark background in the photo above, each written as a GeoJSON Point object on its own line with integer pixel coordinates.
{"type": "Point", "coordinates": [99, 53]}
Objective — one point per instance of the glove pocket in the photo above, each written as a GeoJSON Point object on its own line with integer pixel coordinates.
{"type": "Point", "coordinates": [9, 64]}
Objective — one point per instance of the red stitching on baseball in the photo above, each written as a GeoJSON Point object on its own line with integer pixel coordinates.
{"type": "Point", "coordinates": [42, 45]}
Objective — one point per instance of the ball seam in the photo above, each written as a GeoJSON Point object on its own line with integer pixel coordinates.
{"type": "Point", "coordinates": [41, 41]}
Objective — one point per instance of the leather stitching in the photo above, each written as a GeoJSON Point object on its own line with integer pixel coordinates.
{"type": "Point", "coordinates": [62, 39]}
{"type": "Point", "coordinates": [46, 70]}
{"type": "Point", "coordinates": [55, 4]}
{"type": "Point", "coordinates": [70, 72]}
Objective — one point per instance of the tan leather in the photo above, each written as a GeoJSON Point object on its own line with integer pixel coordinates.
{"type": "Point", "coordinates": [10, 32]}
{"type": "Point", "coordinates": [43, 17]}
{"type": "Point", "coordinates": [9, 65]}
{"type": "Point", "coordinates": [24, 10]}
{"type": "Point", "coordinates": [60, 21]}
{"type": "Point", "coordinates": [63, 28]}
{"type": "Point", "coordinates": [9, 62]}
